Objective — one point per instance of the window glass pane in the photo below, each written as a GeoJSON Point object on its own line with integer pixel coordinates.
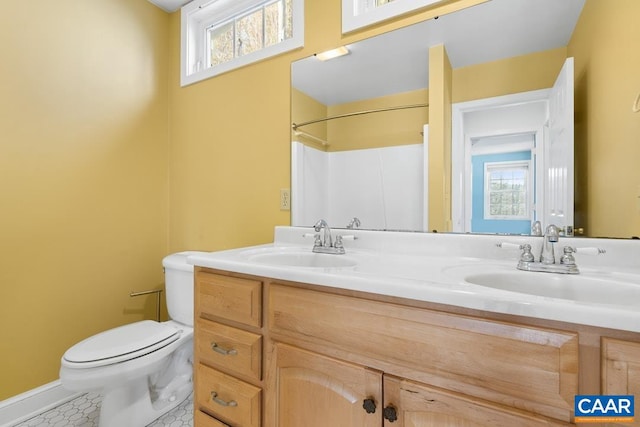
{"type": "Point", "coordinates": [221, 44]}
{"type": "Point", "coordinates": [507, 191]}
{"type": "Point", "coordinates": [272, 13]}
{"type": "Point", "coordinates": [249, 33]}
{"type": "Point", "coordinates": [288, 19]}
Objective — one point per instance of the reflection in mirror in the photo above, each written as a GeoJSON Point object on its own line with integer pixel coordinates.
{"type": "Point", "coordinates": [496, 49]}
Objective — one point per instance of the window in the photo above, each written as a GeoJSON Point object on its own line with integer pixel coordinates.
{"type": "Point", "coordinates": [361, 13]}
{"type": "Point", "coordinates": [221, 35]}
{"type": "Point", "coordinates": [507, 192]}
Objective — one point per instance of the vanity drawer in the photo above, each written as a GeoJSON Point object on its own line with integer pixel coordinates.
{"type": "Point", "coordinates": [229, 349]}
{"type": "Point", "coordinates": [200, 419]}
{"type": "Point", "coordinates": [530, 368]}
{"type": "Point", "coordinates": [226, 390]}
{"type": "Point", "coordinates": [230, 298]}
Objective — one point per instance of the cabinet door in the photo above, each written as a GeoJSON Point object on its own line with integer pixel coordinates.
{"type": "Point", "coordinates": [409, 404]}
{"type": "Point", "coordinates": [621, 370]}
{"type": "Point", "coordinates": [311, 390]}
{"type": "Point", "coordinates": [510, 364]}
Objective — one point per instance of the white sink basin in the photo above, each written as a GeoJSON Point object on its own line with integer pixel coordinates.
{"type": "Point", "coordinates": [301, 258]}
{"type": "Point", "coordinates": [582, 287]}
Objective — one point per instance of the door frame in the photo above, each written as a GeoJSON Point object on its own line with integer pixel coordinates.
{"type": "Point", "coordinates": [461, 151]}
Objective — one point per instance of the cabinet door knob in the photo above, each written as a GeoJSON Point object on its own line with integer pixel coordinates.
{"type": "Point", "coordinates": [227, 352]}
{"type": "Point", "coordinates": [389, 413]}
{"type": "Point", "coordinates": [215, 398]}
{"type": "Point", "coordinates": [369, 405]}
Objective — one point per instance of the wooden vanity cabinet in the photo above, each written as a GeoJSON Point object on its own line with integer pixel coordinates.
{"type": "Point", "coordinates": [313, 390]}
{"type": "Point", "coordinates": [283, 354]}
{"type": "Point", "coordinates": [228, 350]}
{"type": "Point", "coordinates": [621, 370]}
{"type": "Point", "coordinates": [330, 353]}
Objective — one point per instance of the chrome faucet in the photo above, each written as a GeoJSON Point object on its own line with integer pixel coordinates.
{"type": "Point", "coordinates": [551, 237]}
{"type": "Point", "coordinates": [326, 240]}
{"type": "Point", "coordinates": [354, 223]}
{"type": "Point", "coordinates": [324, 243]}
{"type": "Point", "coordinates": [547, 261]}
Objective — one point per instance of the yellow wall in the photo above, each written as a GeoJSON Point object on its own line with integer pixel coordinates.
{"type": "Point", "coordinates": [440, 97]}
{"type": "Point", "coordinates": [507, 76]}
{"type": "Point", "coordinates": [107, 164]}
{"type": "Point", "coordinates": [607, 70]}
{"type": "Point", "coordinates": [83, 175]}
{"type": "Point", "coordinates": [230, 137]}
{"type": "Point", "coordinates": [308, 109]}
{"type": "Point", "coordinates": [383, 129]}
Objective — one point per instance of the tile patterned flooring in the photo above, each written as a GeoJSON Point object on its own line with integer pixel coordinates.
{"type": "Point", "coordinates": [84, 410]}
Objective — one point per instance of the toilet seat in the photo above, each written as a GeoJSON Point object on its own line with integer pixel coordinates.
{"type": "Point", "coordinates": [121, 344]}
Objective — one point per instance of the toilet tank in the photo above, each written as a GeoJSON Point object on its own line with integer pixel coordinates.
{"type": "Point", "coordinates": [178, 279]}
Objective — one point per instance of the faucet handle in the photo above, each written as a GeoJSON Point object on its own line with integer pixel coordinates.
{"type": "Point", "coordinates": [536, 229]}
{"type": "Point", "coordinates": [567, 257]}
{"type": "Point", "coordinates": [340, 238]}
{"type": "Point", "coordinates": [587, 251]}
{"type": "Point", "coordinates": [506, 245]}
{"type": "Point", "coordinates": [526, 255]}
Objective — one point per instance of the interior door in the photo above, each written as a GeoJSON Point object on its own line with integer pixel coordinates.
{"type": "Point", "coordinates": [558, 158]}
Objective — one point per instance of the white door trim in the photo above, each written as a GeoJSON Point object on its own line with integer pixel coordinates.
{"type": "Point", "coordinates": [460, 154]}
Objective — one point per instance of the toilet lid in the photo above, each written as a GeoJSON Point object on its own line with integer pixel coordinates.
{"type": "Point", "coordinates": [122, 343]}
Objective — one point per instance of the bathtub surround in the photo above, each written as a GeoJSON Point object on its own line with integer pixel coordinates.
{"type": "Point", "coordinates": [383, 187]}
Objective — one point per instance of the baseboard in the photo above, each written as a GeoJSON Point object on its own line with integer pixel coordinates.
{"type": "Point", "coordinates": [33, 402]}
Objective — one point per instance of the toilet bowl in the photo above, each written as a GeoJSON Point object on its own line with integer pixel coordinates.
{"type": "Point", "coordinates": [144, 369]}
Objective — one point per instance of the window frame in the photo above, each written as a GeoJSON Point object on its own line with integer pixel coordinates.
{"type": "Point", "coordinates": [355, 15]}
{"type": "Point", "coordinates": [522, 164]}
{"type": "Point", "coordinates": [199, 15]}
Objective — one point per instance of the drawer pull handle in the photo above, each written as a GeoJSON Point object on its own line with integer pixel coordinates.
{"type": "Point", "coordinates": [230, 352]}
{"type": "Point", "coordinates": [215, 398]}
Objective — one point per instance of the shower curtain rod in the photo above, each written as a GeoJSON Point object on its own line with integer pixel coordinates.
{"type": "Point", "coordinates": [295, 126]}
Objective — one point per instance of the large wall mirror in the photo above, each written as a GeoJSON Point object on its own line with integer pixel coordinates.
{"type": "Point", "coordinates": [361, 122]}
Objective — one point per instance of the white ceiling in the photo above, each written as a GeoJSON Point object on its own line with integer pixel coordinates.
{"type": "Point", "coordinates": [398, 61]}
{"type": "Point", "coordinates": [170, 5]}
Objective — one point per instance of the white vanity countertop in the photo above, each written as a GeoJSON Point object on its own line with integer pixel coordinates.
{"type": "Point", "coordinates": [433, 267]}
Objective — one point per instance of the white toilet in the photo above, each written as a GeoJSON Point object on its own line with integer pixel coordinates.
{"type": "Point", "coordinates": [144, 369]}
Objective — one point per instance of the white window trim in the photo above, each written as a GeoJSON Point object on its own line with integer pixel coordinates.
{"type": "Point", "coordinates": [355, 14]}
{"type": "Point", "coordinates": [506, 165]}
{"type": "Point", "coordinates": [198, 14]}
